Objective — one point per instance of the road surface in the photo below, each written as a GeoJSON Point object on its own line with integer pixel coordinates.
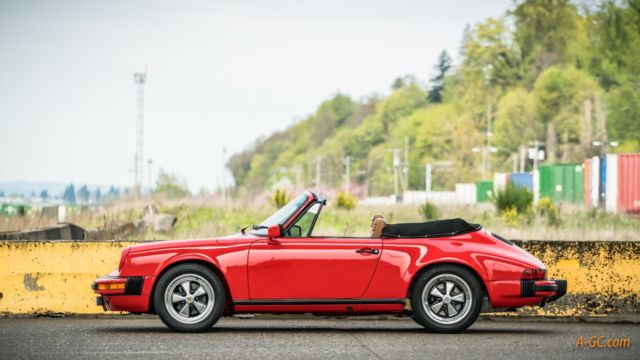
{"type": "Point", "coordinates": [306, 338]}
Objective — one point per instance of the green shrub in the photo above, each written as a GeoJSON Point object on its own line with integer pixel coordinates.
{"type": "Point", "coordinates": [280, 198]}
{"type": "Point", "coordinates": [345, 201]}
{"type": "Point", "coordinates": [511, 217]}
{"type": "Point", "coordinates": [547, 209]}
{"type": "Point", "coordinates": [429, 211]}
{"type": "Point", "coordinates": [512, 197]}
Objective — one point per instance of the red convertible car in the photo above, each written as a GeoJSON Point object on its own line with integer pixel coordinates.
{"type": "Point", "coordinates": [441, 273]}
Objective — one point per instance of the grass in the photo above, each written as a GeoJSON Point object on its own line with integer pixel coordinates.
{"type": "Point", "coordinates": [207, 218]}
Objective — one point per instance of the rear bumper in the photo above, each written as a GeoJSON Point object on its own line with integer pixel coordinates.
{"type": "Point", "coordinates": [550, 290]}
{"type": "Point", "coordinates": [517, 293]}
{"type": "Point", "coordinates": [123, 293]}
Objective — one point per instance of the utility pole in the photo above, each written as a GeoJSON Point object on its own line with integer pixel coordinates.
{"type": "Point", "coordinates": [222, 181]}
{"type": "Point", "coordinates": [139, 79]}
{"type": "Point", "coordinates": [486, 159]}
{"type": "Point", "coordinates": [406, 164]}
{"type": "Point", "coordinates": [297, 170]}
{"type": "Point", "coordinates": [347, 164]}
{"type": "Point", "coordinates": [318, 177]}
{"type": "Point", "coordinates": [427, 180]}
{"type": "Point", "coordinates": [150, 163]}
{"type": "Point", "coordinates": [396, 165]}
{"type": "Point", "coordinates": [536, 146]}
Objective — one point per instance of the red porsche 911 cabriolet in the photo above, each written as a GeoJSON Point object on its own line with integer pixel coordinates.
{"type": "Point", "coordinates": [441, 273]}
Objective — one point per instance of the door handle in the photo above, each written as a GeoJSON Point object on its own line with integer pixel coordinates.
{"type": "Point", "coordinates": [368, 251]}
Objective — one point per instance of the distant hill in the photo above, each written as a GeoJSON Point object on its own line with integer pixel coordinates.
{"type": "Point", "coordinates": [546, 71]}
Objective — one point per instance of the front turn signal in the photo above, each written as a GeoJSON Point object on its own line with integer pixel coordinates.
{"type": "Point", "coordinates": [111, 286]}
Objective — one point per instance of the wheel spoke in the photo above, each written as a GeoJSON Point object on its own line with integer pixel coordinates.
{"type": "Point", "coordinates": [176, 298]}
{"type": "Point", "coordinates": [185, 310]}
{"type": "Point", "coordinates": [458, 298]}
{"type": "Point", "coordinates": [436, 292]}
{"type": "Point", "coordinates": [451, 310]}
{"type": "Point", "coordinates": [449, 285]}
{"type": "Point", "coordinates": [201, 291]}
{"type": "Point", "coordinates": [437, 306]}
{"type": "Point", "coordinates": [199, 306]}
{"type": "Point", "coordinates": [186, 286]}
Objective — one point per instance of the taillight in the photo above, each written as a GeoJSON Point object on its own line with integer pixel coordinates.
{"type": "Point", "coordinates": [123, 257]}
{"type": "Point", "coordinates": [534, 274]}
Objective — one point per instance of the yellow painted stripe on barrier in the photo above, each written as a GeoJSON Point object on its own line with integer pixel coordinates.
{"type": "Point", "coordinates": [37, 277]}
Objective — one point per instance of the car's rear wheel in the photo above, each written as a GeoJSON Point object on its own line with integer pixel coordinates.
{"type": "Point", "coordinates": [446, 299]}
{"type": "Point", "coordinates": [189, 298]}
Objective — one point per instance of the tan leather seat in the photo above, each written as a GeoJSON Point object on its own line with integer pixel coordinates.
{"type": "Point", "coordinates": [377, 224]}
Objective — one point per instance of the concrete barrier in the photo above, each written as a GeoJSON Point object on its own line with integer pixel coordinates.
{"type": "Point", "coordinates": [54, 276]}
{"type": "Point", "coordinates": [602, 276]}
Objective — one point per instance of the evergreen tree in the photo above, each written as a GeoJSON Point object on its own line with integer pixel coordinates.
{"type": "Point", "coordinates": [84, 194]}
{"type": "Point", "coordinates": [436, 87]}
{"type": "Point", "coordinates": [44, 194]}
{"type": "Point", "coordinates": [69, 195]}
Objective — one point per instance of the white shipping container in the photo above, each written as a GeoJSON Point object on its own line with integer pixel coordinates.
{"type": "Point", "coordinates": [466, 193]}
{"type": "Point", "coordinates": [611, 186]}
{"type": "Point", "coordinates": [536, 186]}
{"type": "Point", "coordinates": [595, 182]}
{"type": "Point", "coordinates": [500, 181]}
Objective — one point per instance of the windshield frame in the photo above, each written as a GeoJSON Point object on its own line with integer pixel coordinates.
{"type": "Point", "coordinates": [310, 198]}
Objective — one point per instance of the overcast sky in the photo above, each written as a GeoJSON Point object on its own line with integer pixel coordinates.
{"type": "Point", "coordinates": [220, 74]}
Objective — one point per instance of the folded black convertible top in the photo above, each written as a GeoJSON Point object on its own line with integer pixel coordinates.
{"type": "Point", "coordinates": [438, 228]}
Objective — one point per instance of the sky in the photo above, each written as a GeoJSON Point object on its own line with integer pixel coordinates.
{"type": "Point", "coordinates": [220, 74]}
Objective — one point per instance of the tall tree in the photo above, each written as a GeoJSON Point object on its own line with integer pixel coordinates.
{"type": "Point", "coordinates": [84, 194]}
{"type": "Point", "coordinates": [436, 84]}
{"type": "Point", "coordinates": [545, 30]}
{"type": "Point", "coordinates": [69, 195]}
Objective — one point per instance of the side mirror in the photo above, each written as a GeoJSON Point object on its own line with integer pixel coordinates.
{"type": "Point", "coordinates": [274, 232]}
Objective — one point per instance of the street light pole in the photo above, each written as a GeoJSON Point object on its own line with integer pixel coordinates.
{"type": "Point", "coordinates": [347, 164]}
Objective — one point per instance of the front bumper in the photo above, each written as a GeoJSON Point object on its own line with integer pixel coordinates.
{"type": "Point", "coordinates": [550, 290]}
{"type": "Point", "coordinates": [124, 293]}
{"type": "Point", "coordinates": [118, 285]}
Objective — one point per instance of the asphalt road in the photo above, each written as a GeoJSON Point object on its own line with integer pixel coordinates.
{"type": "Point", "coordinates": [307, 338]}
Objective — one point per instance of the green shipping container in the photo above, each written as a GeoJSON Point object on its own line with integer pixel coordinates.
{"type": "Point", "coordinates": [562, 182]}
{"type": "Point", "coordinates": [484, 190]}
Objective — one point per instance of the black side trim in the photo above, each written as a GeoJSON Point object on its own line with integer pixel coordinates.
{"type": "Point", "coordinates": [318, 301]}
{"type": "Point", "coordinates": [134, 285]}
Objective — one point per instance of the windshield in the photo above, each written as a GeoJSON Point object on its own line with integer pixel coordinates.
{"type": "Point", "coordinates": [280, 216]}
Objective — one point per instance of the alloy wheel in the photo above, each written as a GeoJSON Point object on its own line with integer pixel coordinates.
{"type": "Point", "coordinates": [447, 299]}
{"type": "Point", "coordinates": [189, 298]}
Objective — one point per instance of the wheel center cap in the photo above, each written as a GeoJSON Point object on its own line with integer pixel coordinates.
{"type": "Point", "coordinates": [447, 299]}
{"type": "Point", "coordinates": [189, 299]}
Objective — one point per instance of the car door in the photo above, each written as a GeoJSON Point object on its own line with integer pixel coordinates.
{"type": "Point", "coordinates": [312, 267]}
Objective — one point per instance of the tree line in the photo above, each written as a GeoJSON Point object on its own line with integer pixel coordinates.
{"type": "Point", "coordinates": [565, 75]}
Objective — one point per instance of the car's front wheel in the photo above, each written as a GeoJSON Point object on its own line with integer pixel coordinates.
{"type": "Point", "coordinates": [189, 298]}
{"type": "Point", "coordinates": [446, 299]}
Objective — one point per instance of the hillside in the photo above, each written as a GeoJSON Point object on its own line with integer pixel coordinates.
{"type": "Point", "coordinates": [557, 72]}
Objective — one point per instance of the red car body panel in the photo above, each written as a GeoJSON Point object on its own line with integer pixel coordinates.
{"type": "Point", "coordinates": [327, 274]}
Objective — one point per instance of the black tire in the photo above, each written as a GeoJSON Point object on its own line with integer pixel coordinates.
{"type": "Point", "coordinates": [185, 315]}
{"type": "Point", "coordinates": [444, 312]}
